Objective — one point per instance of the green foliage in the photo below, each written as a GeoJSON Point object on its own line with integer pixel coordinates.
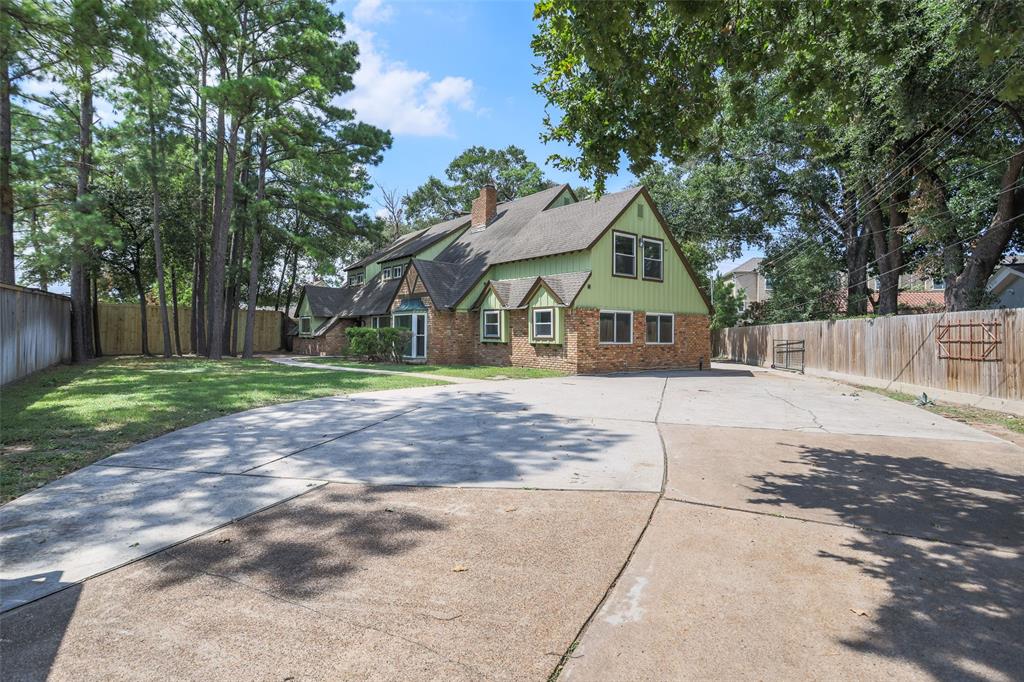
{"type": "Point", "coordinates": [512, 174]}
{"type": "Point", "coordinates": [728, 301]}
{"type": "Point", "coordinates": [806, 287]}
{"type": "Point", "coordinates": [384, 344]}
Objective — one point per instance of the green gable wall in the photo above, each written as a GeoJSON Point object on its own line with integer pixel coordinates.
{"type": "Point", "coordinates": [304, 311]}
{"type": "Point", "coordinates": [492, 302]}
{"type": "Point", "coordinates": [577, 261]}
{"type": "Point", "coordinates": [432, 251]}
{"type": "Point", "coordinates": [564, 198]}
{"type": "Point", "coordinates": [678, 292]}
{"type": "Point", "coordinates": [542, 298]}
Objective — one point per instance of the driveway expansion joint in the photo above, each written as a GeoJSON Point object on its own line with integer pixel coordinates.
{"type": "Point", "coordinates": [834, 524]}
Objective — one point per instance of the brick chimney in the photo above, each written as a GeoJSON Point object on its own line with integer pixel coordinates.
{"type": "Point", "coordinates": [485, 206]}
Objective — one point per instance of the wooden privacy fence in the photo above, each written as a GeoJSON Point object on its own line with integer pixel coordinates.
{"type": "Point", "coordinates": [35, 331]}
{"type": "Point", "coordinates": [979, 352]}
{"type": "Point", "coordinates": [121, 331]}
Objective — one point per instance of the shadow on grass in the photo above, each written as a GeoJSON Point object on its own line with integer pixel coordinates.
{"type": "Point", "coordinates": [956, 607]}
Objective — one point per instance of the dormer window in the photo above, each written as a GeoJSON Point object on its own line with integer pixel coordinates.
{"type": "Point", "coordinates": [393, 272]}
{"type": "Point", "coordinates": [356, 278]}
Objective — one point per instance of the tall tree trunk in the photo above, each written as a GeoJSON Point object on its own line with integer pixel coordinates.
{"type": "Point", "coordinates": [174, 307]}
{"type": "Point", "coordinates": [855, 247]}
{"type": "Point", "coordinates": [969, 287]}
{"type": "Point", "coordinates": [203, 223]}
{"type": "Point", "coordinates": [291, 282]}
{"type": "Point", "coordinates": [43, 273]}
{"type": "Point", "coordinates": [158, 249]}
{"type": "Point", "coordinates": [6, 191]}
{"type": "Point", "coordinates": [81, 336]}
{"type": "Point", "coordinates": [141, 289]}
{"type": "Point", "coordinates": [97, 348]}
{"type": "Point", "coordinates": [885, 261]}
{"type": "Point", "coordinates": [221, 220]}
{"type": "Point", "coordinates": [280, 280]}
{"type": "Point", "coordinates": [254, 256]}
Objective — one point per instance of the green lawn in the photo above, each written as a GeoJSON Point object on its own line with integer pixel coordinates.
{"type": "Point", "coordinates": [465, 371]}
{"type": "Point", "coordinates": [61, 419]}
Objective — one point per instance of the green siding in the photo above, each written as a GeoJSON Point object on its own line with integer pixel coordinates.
{"type": "Point", "coordinates": [434, 250]}
{"type": "Point", "coordinates": [304, 311]}
{"type": "Point", "coordinates": [577, 261]}
{"type": "Point", "coordinates": [395, 261]}
{"type": "Point", "coordinates": [678, 292]}
{"type": "Point", "coordinates": [491, 302]}
{"type": "Point", "coordinates": [562, 199]}
{"type": "Point", "coordinates": [544, 299]}
{"type": "Point", "coordinates": [371, 271]}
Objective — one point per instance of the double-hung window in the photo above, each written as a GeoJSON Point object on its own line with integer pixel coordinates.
{"type": "Point", "coordinates": [305, 326]}
{"type": "Point", "coordinates": [393, 272]}
{"type": "Point", "coordinates": [654, 258]}
{"type": "Point", "coordinates": [492, 324]}
{"type": "Point", "coordinates": [660, 329]}
{"type": "Point", "coordinates": [615, 327]}
{"type": "Point", "coordinates": [624, 258]}
{"type": "Point", "coordinates": [544, 323]}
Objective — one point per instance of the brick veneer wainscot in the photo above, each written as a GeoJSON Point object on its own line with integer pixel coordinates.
{"type": "Point", "coordinates": [333, 342]}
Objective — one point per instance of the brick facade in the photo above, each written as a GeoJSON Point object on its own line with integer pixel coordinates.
{"type": "Point", "coordinates": [454, 338]}
{"type": "Point", "coordinates": [333, 342]}
{"type": "Point", "coordinates": [692, 345]}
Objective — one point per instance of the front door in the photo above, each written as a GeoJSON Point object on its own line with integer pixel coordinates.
{"type": "Point", "coordinates": [416, 323]}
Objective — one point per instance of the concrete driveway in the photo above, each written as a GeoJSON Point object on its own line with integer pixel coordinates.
{"type": "Point", "coordinates": [729, 524]}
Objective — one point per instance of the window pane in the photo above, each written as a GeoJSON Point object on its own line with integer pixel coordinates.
{"type": "Point", "coordinates": [652, 329]}
{"type": "Point", "coordinates": [625, 265]}
{"type": "Point", "coordinates": [623, 322]}
{"type": "Point", "coordinates": [666, 329]}
{"type": "Point", "coordinates": [625, 244]}
{"type": "Point", "coordinates": [652, 259]}
{"type": "Point", "coordinates": [607, 327]}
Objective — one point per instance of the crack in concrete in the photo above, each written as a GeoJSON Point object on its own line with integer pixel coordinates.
{"type": "Point", "coordinates": [571, 649]}
{"type": "Point", "coordinates": [837, 524]}
{"type": "Point", "coordinates": [814, 417]}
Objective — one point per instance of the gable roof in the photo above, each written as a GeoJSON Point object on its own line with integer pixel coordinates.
{"type": "Point", "coordinates": [371, 298]}
{"type": "Point", "coordinates": [412, 243]}
{"type": "Point", "coordinates": [749, 265]}
{"type": "Point", "coordinates": [516, 293]}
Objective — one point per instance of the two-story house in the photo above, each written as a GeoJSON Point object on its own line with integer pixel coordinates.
{"type": "Point", "coordinates": [747, 277]}
{"type": "Point", "coordinates": [543, 281]}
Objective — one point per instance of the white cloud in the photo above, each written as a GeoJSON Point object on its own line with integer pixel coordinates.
{"type": "Point", "coordinates": [404, 100]}
{"type": "Point", "coordinates": [370, 11]}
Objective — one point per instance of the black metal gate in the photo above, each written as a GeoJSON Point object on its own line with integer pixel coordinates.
{"type": "Point", "coordinates": [789, 355]}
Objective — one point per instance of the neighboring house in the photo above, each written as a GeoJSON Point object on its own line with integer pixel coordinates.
{"type": "Point", "coordinates": [542, 281]}
{"type": "Point", "coordinates": [1006, 286]}
{"type": "Point", "coordinates": [747, 277]}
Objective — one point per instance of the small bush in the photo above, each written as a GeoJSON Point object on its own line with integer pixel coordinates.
{"type": "Point", "coordinates": [384, 344]}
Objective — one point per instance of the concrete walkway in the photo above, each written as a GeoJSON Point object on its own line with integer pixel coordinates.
{"type": "Point", "coordinates": [292, 362]}
{"type": "Point", "coordinates": [727, 524]}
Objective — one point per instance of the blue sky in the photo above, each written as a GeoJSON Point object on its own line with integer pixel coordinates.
{"type": "Point", "coordinates": [443, 76]}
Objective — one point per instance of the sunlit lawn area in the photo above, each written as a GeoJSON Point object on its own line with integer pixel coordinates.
{"type": "Point", "coordinates": [61, 419]}
{"type": "Point", "coordinates": [463, 371]}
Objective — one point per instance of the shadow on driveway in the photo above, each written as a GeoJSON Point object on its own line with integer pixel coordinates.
{"type": "Point", "coordinates": [955, 609]}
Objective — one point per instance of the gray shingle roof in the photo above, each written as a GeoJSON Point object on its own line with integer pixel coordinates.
{"type": "Point", "coordinates": [372, 298]}
{"type": "Point", "coordinates": [514, 292]}
{"type": "Point", "coordinates": [414, 242]}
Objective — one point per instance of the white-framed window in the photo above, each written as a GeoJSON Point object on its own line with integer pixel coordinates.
{"type": "Point", "coordinates": [615, 326]}
{"type": "Point", "coordinates": [660, 328]}
{"type": "Point", "coordinates": [380, 321]}
{"type": "Point", "coordinates": [624, 254]}
{"type": "Point", "coordinates": [543, 323]}
{"type": "Point", "coordinates": [938, 283]}
{"type": "Point", "coordinates": [492, 324]}
{"type": "Point", "coordinates": [305, 326]}
{"type": "Point", "coordinates": [393, 272]}
{"type": "Point", "coordinates": [356, 278]}
{"type": "Point", "coordinates": [654, 258]}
